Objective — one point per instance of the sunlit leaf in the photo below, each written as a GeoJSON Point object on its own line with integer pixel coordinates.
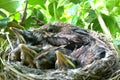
{"type": "Point", "coordinates": [62, 2]}
{"type": "Point", "coordinates": [16, 16]}
{"type": "Point", "coordinates": [10, 5]}
{"type": "Point", "coordinates": [63, 19]}
{"type": "Point", "coordinates": [75, 19]}
{"type": "Point", "coordinates": [73, 9]}
{"type": "Point", "coordinates": [117, 18]}
{"type": "Point", "coordinates": [37, 2]}
{"type": "Point", "coordinates": [110, 4]}
{"type": "Point", "coordinates": [99, 5]}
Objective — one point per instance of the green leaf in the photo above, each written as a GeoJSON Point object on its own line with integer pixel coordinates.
{"type": "Point", "coordinates": [51, 7]}
{"type": "Point", "coordinates": [3, 14]}
{"type": "Point", "coordinates": [37, 2]}
{"type": "Point", "coordinates": [91, 16]}
{"type": "Point", "coordinates": [111, 24]}
{"type": "Point", "coordinates": [75, 1]}
{"type": "Point", "coordinates": [75, 19]}
{"type": "Point", "coordinates": [99, 5]}
{"type": "Point", "coordinates": [10, 5]}
{"type": "Point", "coordinates": [73, 9]}
{"type": "Point", "coordinates": [34, 18]}
{"type": "Point", "coordinates": [16, 16]}
{"type": "Point", "coordinates": [37, 13]}
{"type": "Point", "coordinates": [110, 4]}
{"type": "Point", "coordinates": [28, 22]}
{"type": "Point", "coordinates": [60, 11]}
{"type": "Point", "coordinates": [62, 3]}
{"type": "Point", "coordinates": [96, 26]}
{"type": "Point", "coordinates": [117, 18]}
{"type": "Point", "coordinates": [3, 22]}
{"type": "Point", "coordinates": [15, 24]}
{"type": "Point", "coordinates": [63, 19]}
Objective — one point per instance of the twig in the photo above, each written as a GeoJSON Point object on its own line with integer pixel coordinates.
{"type": "Point", "coordinates": [9, 44]}
{"type": "Point", "coordinates": [10, 67]}
{"type": "Point", "coordinates": [24, 14]}
{"type": "Point", "coordinates": [7, 36]}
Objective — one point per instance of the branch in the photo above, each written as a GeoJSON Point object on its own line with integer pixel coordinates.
{"type": "Point", "coordinates": [24, 14]}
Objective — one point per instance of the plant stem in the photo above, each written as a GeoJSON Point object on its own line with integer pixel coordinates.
{"type": "Point", "coordinates": [101, 21]}
{"type": "Point", "coordinates": [103, 26]}
{"type": "Point", "coordinates": [24, 14]}
{"type": "Point", "coordinates": [7, 36]}
{"type": "Point", "coordinates": [55, 14]}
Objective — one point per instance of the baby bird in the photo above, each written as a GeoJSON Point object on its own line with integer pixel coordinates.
{"type": "Point", "coordinates": [27, 55]}
{"type": "Point", "coordinates": [63, 62]}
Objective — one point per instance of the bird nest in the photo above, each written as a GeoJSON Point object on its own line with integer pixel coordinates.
{"type": "Point", "coordinates": [82, 54]}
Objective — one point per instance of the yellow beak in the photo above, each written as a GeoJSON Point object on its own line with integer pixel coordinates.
{"type": "Point", "coordinates": [18, 34]}
{"type": "Point", "coordinates": [27, 50]}
{"type": "Point", "coordinates": [63, 61]}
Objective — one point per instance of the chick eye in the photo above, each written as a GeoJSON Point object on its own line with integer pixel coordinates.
{"type": "Point", "coordinates": [50, 30]}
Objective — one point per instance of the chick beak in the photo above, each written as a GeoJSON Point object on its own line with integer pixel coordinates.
{"type": "Point", "coordinates": [62, 62]}
{"type": "Point", "coordinates": [18, 34]}
{"type": "Point", "coordinates": [27, 55]}
{"type": "Point", "coordinates": [27, 50]}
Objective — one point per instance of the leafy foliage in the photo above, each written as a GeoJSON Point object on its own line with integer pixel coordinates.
{"type": "Point", "coordinates": [6, 5]}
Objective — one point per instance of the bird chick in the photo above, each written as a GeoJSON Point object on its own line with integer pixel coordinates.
{"type": "Point", "coordinates": [63, 62]}
{"type": "Point", "coordinates": [19, 36]}
{"type": "Point", "coordinates": [45, 60]}
{"type": "Point", "coordinates": [27, 55]}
